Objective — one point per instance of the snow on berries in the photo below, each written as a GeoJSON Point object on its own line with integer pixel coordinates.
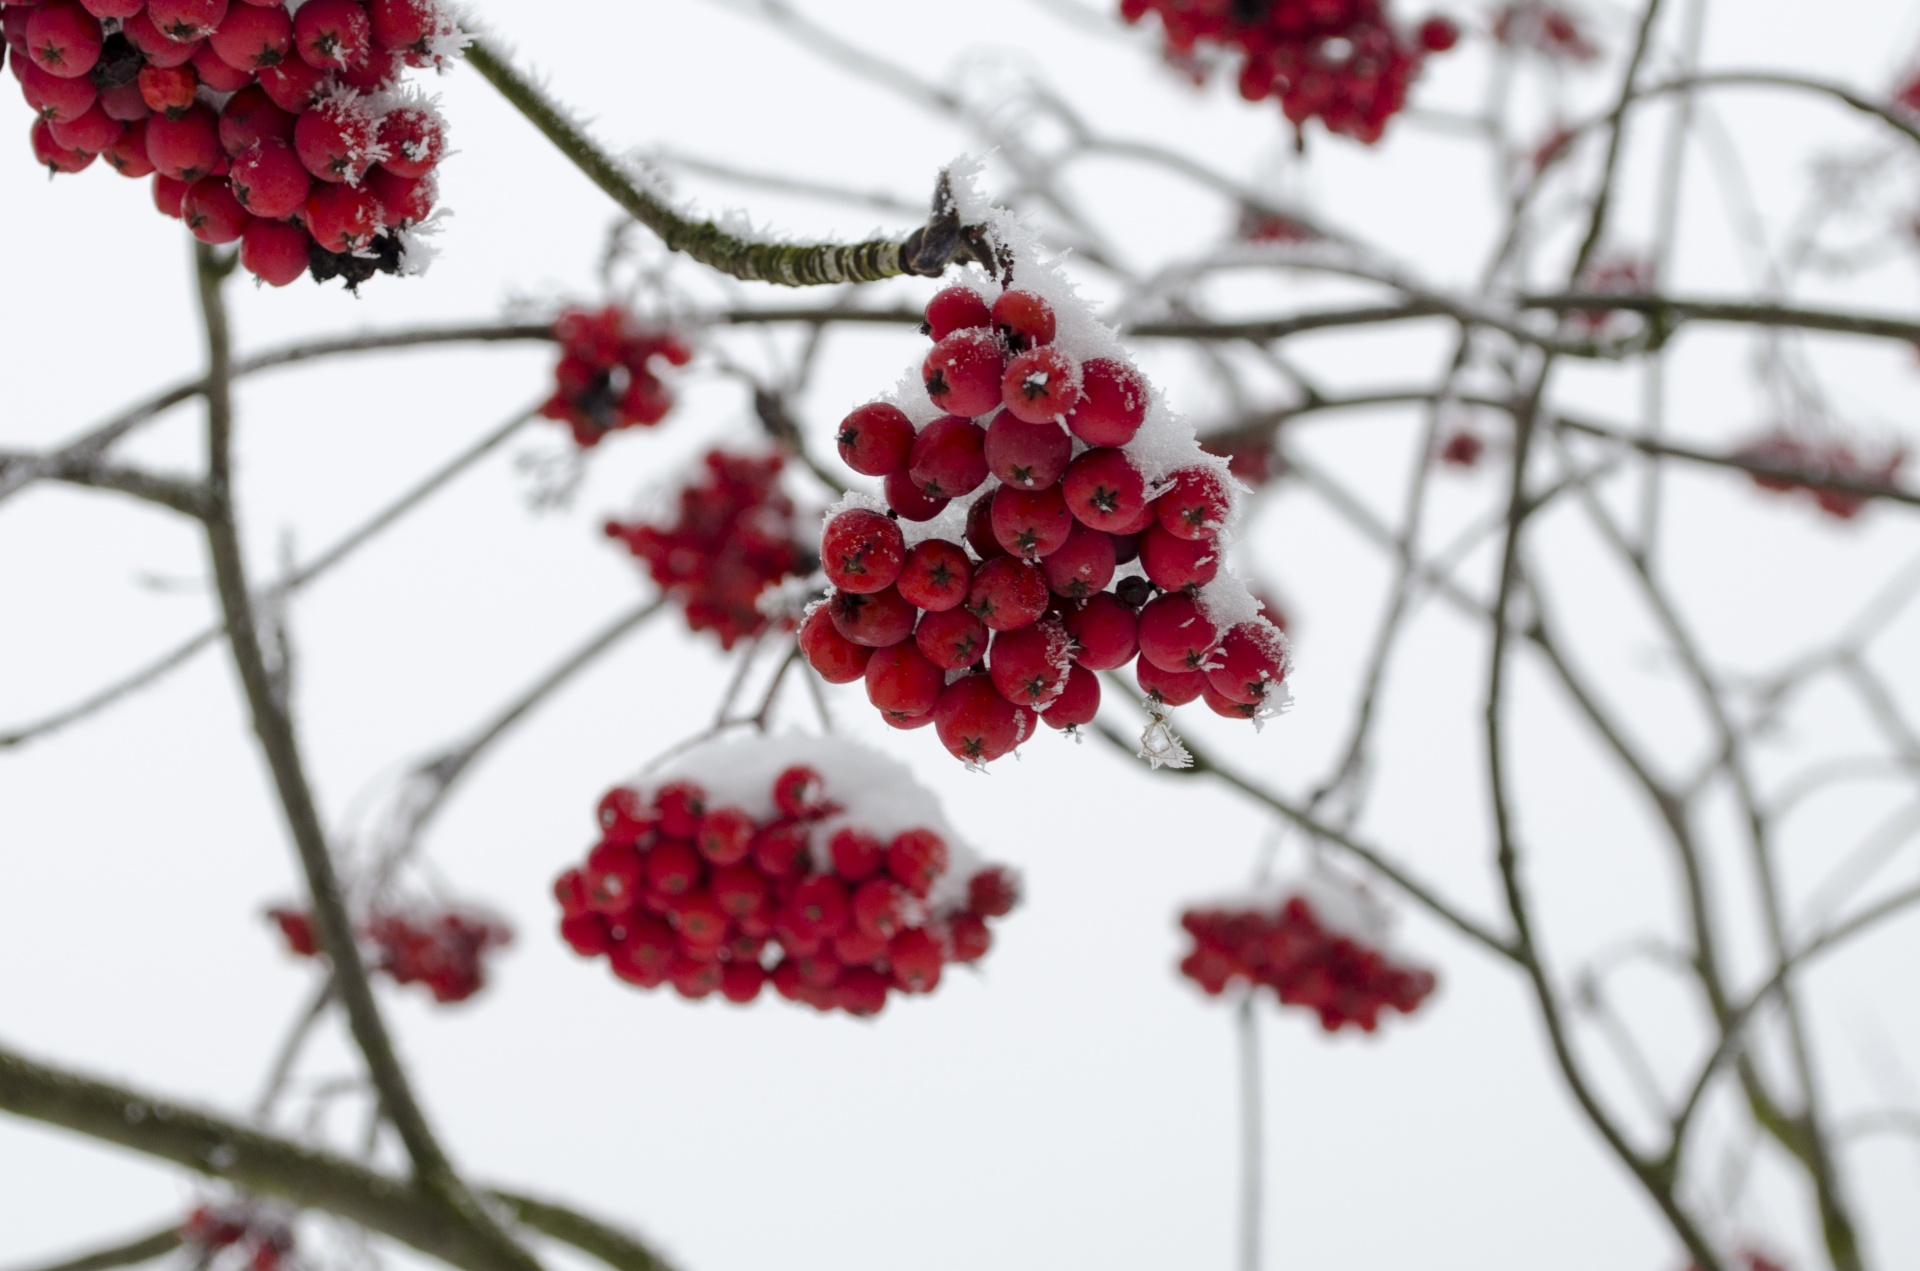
{"type": "Point", "coordinates": [607, 378]}
{"type": "Point", "coordinates": [1819, 457]}
{"type": "Point", "coordinates": [1340, 61]}
{"type": "Point", "coordinates": [733, 537]}
{"type": "Point", "coordinates": [1044, 517]}
{"type": "Point", "coordinates": [247, 1233]}
{"type": "Point", "coordinates": [1318, 944]}
{"type": "Point", "coordinates": [439, 947]}
{"type": "Point", "coordinates": [279, 125]}
{"type": "Point", "coordinates": [806, 863]}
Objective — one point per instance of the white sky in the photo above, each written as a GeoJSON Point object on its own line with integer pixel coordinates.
{"type": "Point", "coordinates": [1073, 1105]}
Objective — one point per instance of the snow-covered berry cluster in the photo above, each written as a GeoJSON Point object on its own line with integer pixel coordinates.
{"type": "Point", "coordinates": [1045, 518]}
{"type": "Point", "coordinates": [1551, 30]}
{"type": "Point", "coordinates": [734, 537]}
{"type": "Point", "coordinates": [606, 378]}
{"type": "Point", "coordinates": [807, 863]}
{"type": "Point", "coordinates": [442, 948]}
{"type": "Point", "coordinates": [281, 125]}
{"type": "Point", "coordinates": [239, 1234]}
{"type": "Point", "coordinates": [1343, 62]}
{"type": "Point", "coordinates": [1820, 457]}
{"type": "Point", "coordinates": [1317, 945]}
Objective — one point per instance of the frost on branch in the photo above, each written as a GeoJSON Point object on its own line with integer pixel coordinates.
{"type": "Point", "coordinates": [1318, 942]}
{"type": "Point", "coordinates": [808, 863]}
{"type": "Point", "coordinates": [1045, 517]}
{"type": "Point", "coordinates": [283, 127]}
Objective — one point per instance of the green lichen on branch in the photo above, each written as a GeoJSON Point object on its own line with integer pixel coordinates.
{"type": "Point", "coordinates": [924, 252]}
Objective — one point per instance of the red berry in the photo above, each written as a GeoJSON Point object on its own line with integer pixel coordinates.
{"type": "Point", "coordinates": [1082, 565]}
{"type": "Point", "coordinates": [1030, 456]}
{"type": "Point", "coordinates": [681, 805]}
{"type": "Point", "coordinates": [413, 140]}
{"type": "Point", "coordinates": [969, 937]}
{"type": "Point", "coordinates": [963, 373]}
{"type": "Point", "coordinates": [611, 879]}
{"type": "Point", "coordinates": [54, 99]}
{"type": "Point", "coordinates": [342, 218]}
{"type": "Point", "coordinates": [1105, 631]}
{"type": "Point", "coordinates": [692, 978]}
{"type": "Point", "coordinates": [916, 859]}
{"type": "Point", "coordinates": [409, 200]}
{"type": "Point", "coordinates": [725, 835]}
{"type": "Point", "coordinates": [862, 551]}
{"type": "Point", "coordinates": [1437, 35]}
{"type": "Point", "coordinates": [876, 620]}
{"type": "Point", "coordinates": [184, 20]}
{"type": "Point", "coordinates": [909, 500]}
{"type": "Point", "coordinates": [167, 194]}
{"type": "Point", "coordinates": [269, 180]}
{"type": "Point", "coordinates": [168, 90]}
{"type": "Point", "coordinates": [953, 309]}
{"type": "Point", "coordinates": [123, 102]}
{"type": "Point", "coordinates": [1174, 563]}
{"type": "Point", "coordinates": [1105, 491]}
{"type": "Point", "coordinates": [1113, 403]}
{"type": "Point", "coordinates": [854, 947]}
{"type": "Point", "coordinates": [1196, 507]}
{"type": "Point", "coordinates": [948, 457]}
{"type": "Point", "coordinates": [1251, 660]}
{"type": "Point", "coordinates": [952, 639]}
{"type": "Point", "coordinates": [1031, 524]}
{"type": "Point", "coordinates": [185, 148]}
{"type": "Point", "coordinates": [1007, 593]}
{"type": "Point", "coordinates": [1175, 688]}
{"type": "Point", "coordinates": [906, 723]}
{"type": "Point", "coordinates": [293, 85]}
{"type": "Point", "coordinates": [92, 133]}
{"type": "Point", "coordinates": [1023, 319]}
{"type": "Point", "coordinates": [935, 576]}
{"type": "Point", "coordinates": [296, 928]}
{"type": "Point", "coordinates": [741, 982]}
{"type": "Point", "coordinates": [336, 138]}
{"type": "Point", "coordinates": [993, 892]}
{"type": "Point", "coordinates": [862, 992]}
{"type": "Point", "coordinates": [902, 681]}
{"type": "Point", "coordinates": [980, 530]}
{"type": "Point", "coordinates": [251, 116]}
{"type": "Point", "coordinates": [113, 8]}
{"type": "Point", "coordinates": [586, 934]}
{"type": "Point", "coordinates": [215, 74]}
{"type": "Point", "coordinates": [623, 816]}
{"type": "Point", "coordinates": [157, 48]}
{"type": "Point", "coordinates": [876, 439]}
{"type": "Point", "coordinates": [1029, 666]}
{"type": "Point", "coordinates": [739, 890]}
{"type": "Point", "coordinates": [212, 213]}
{"type": "Point", "coordinates": [1041, 385]}
{"type": "Point", "coordinates": [1175, 635]}
{"type": "Point", "coordinates": [879, 908]}
{"type": "Point", "coordinates": [332, 34]}
{"type": "Point", "coordinates": [780, 849]}
{"type": "Point", "coordinates": [700, 920]}
{"type": "Point", "coordinates": [800, 792]}
{"type": "Point", "coordinates": [129, 153]}
{"type": "Point", "coordinates": [673, 867]}
{"type": "Point", "coordinates": [403, 24]}
{"type": "Point", "coordinates": [818, 907]}
{"type": "Point", "coordinates": [836, 659]}
{"type": "Point", "coordinates": [916, 959]}
{"type": "Point", "coordinates": [252, 37]}
{"type": "Point", "coordinates": [64, 40]}
{"type": "Point", "coordinates": [1078, 703]}
{"type": "Point", "coordinates": [978, 725]}
{"type": "Point", "coordinates": [856, 853]}
{"type": "Point", "coordinates": [1226, 706]}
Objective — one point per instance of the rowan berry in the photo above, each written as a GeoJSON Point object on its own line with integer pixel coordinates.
{"type": "Point", "coordinates": [980, 535]}
{"type": "Point", "coordinates": [836, 659]}
{"type": "Point", "coordinates": [915, 957]}
{"type": "Point", "coordinates": [1078, 703]}
{"type": "Point", "coordinates": [332, 34]}
{"type": "Point", "coordinates": [935, 576]}
{"type": "Point", "coordinates": [680, 805]}
{"type": "Point", "coordinates": [1175, 634]}
{"type": "Point", "coordinates": [952, 639]}
{"type": "Point", "coordinates": [92, 133]}
{"type": "Point", "coordinates": [1196, 506]}
{"type": "Point", "coordinates": [1173, 563]}
{"type": "Point", "coordinates": [185, 147]}
{"type": "Point", "coordinates": [186, 20]}
{"type": "Point", "coordinates": [862, 551]}
{"type": "Point", "coordinates": [818, 907]}
{"type": "Point", "coordinates": [1029, 666]}
{"type": "Point", "coordinates": [158, 48]}
{"type": "Point", "coordinates": [215, 75]}
{"type": "Point", "coordinates": [1007, 593]}
{"type": "Point", "coordinates": [856, 853]}
{"type": "Point", "coordinates": [1104, 491]}
{"type": "Point", "coordinates": [64, 40]}
{"type": "Point", "coordinates": [1026, 455]}
{"type": "Point", "coordinates": [780, 849]}
{"type": "Point", "coordinates": [1031, 524]}
{"type": "Point", "coordinates": [978, 725]}
{"type": "Point", "coordinates": [1040, 385]}
{"type": "Point", "coordinates": [739, 890]}
{"type": "Point", "coordinates": [963, 373]}
{"type": "Point", "coordinates": [250, 116]}
{"type": "Point", "coordinates": [337, 139]}
{"type": "Point", "coordinates": [953, 309]}
{"type": "Point", "coordinates": [168, 90]}
{"type": "Point", "coordinates": [725, 835]}
{"type": "Point", "coordinates": [902, 681]}
{"type": "Point", "coordinates": [342, 218]}
{"type": "Point", "coordinates": [1112, 405]}
{"type": "Point", "coordinates": [948, 458]}
{"type": "Point", "coordinates": [909, 500]}
{"type": "Point", "coordinates": [876, 439]}
{"type": "Point", "coordinates": [969, 938]}
{"type": "Point", "coordinates": [1081, 566]}
{"type": "Point", "coordinates": [252, 37]}
{"type": "Point", "coordinates": [128, 154]}
{"type": "Point", "coordinates": [916, 858]}
{"type": "Point", "coordinates": [673, 867]}
{"type": "Point", "coordinates": [1023, 319]}
{"type": "Point", "coordinates": [993, 893]}
{"type": "Point", "coordinates": [412, 141]}
{"type": "Point", "coordinates": [800, 792]}
{"type": "Point", "coordinates": [875, 620]}
{"type": "Point", "coordinates": [269, 180]}
{"type": "Point", "coordinates": [1174, 688]}
{"type": "Point", "coordinates": [212, 212]}
{"type": "Point", "coordinates": [879, 908]}
{"type": "Point", "coordinates": [1251, 660]}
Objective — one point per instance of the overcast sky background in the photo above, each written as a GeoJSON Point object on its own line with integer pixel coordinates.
{"type": "Point", "coordinates": [1073, 1104]}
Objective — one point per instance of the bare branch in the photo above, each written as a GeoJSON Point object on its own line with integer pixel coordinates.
{"type": "Point", "coordinates": [128, 1253]}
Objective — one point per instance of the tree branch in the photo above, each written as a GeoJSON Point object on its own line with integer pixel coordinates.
{"type": "Point", "coordinates": [130, 1253]}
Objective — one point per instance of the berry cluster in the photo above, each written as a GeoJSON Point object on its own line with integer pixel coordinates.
{"type": "Point", "coordinates": [734, 538]}
{"type": "Point", "coordinates": [1547, 29]}
{"type": "Point", "coordinates": [759, 873]}
{"type": "Point", "coordinates": [1462, 448]}
{"type": "Point", "coordinates": [1034, 532]}
{"type": "Point", "coordinates": [276, 124]}
{"type": "Point", "coordinates": [1340, 61]}
{"type": "Point", "coordinates": [605, 379]}
{"type": "Point", "coordinates": [444, 949]}
{"type": "Point", "coordinates": [1818, 458]}
{"type": "Point", "coordinates": [239, 1235]}
{"type": "Point", "coordinates": [1618, 275]}
{"type": "Point", "coordinates": [1307, 961]}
